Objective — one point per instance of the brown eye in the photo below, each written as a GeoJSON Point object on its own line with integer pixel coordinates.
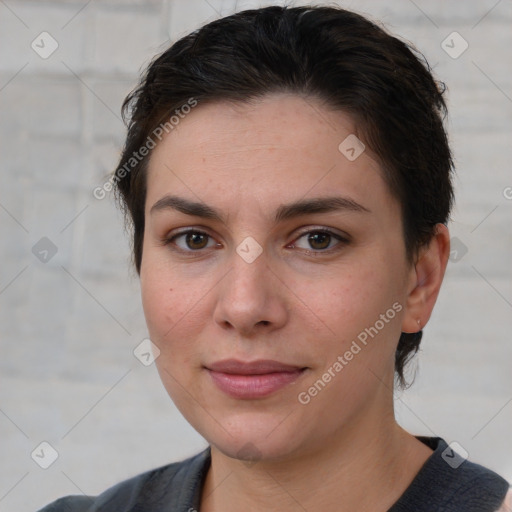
{"type": "Point", "coordinates": [319, 240]}
{"type": "Point", "coordinates": [196, 240]}
{"type": "Point", "coordinates": [190, 241]}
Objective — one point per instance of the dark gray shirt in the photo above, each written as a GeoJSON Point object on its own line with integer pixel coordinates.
{"type": "Point", "coordinates": [445, 483]}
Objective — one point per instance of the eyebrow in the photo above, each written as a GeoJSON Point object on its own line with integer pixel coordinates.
{"type": "Point", "coordinates": [283, 212]}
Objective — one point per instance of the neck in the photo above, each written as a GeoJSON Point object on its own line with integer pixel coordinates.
{"type": "Point", "coordinates": [364, 469]}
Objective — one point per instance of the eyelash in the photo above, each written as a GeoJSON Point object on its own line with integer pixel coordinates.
{"type": "Point", "coordinates": [314, 252]}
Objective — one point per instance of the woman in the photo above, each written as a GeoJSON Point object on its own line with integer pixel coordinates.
{"type": "Point", "coordinates": [288, 180]}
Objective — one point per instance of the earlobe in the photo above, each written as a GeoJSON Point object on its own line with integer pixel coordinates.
{"type": "Point", "coordinates": [426, 279]}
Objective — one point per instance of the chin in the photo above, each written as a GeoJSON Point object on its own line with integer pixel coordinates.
{"type": "Point", "coordinates": [251, 451]}
{"type": "Point", "coordinates": [251, 439]}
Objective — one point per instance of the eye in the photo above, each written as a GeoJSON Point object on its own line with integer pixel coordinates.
{"type": "Point", "coordinates": [193, 240]}
{"type": "Point", "coordinates": [320, 241]}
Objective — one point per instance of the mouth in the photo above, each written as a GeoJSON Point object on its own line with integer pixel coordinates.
{"type": "Point", "coordinates": [251, 380]}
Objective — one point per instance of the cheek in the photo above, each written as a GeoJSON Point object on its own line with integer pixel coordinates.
{"type": "Point", "coordinates": [175, 311]}
{"type": "Point", "coordinates": [349, 298]}
{"type": "Point", "coordinates": [157, 303]}
{"type": "Point", "coordinates": [166, 301]}
{"type": "Point", "coordinates": [174, 319]}
{"type": "Point", "coordinates": [360, 311]}
{"type": "Point", "coordinates": [356, 352]}
{"type": "Point", "coordinates": [170, 324]}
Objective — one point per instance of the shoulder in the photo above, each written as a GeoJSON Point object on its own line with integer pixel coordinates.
{"type": "Point", "coordinates": [480, 487]}
{"type": "Point", "coordinates": [506, 506]}
{"type": "Point", "coordinates": [69, 504]}
{"type": "Point", "coordinates": [150, 489]}
{"type": "Point", "coordinates": [451, 483]}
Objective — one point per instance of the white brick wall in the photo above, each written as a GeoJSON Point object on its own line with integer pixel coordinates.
{"type": "Point", "coordinates": [68, 335]}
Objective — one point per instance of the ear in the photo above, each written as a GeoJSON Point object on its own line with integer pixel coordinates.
{"type": "Point", "coordinates": [425, 280]}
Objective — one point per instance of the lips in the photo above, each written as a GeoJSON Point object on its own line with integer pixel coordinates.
{"type": "Point", "coordinates": [255, 379]}
{"type": "Point", "coordinates": [260, 367]}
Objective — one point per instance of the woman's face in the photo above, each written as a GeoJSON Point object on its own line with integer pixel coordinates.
{"type": "Point", "coordinates": [266, 282]}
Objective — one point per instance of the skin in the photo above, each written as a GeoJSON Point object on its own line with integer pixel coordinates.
{"type": "Point", "coordinates": [287, 305]}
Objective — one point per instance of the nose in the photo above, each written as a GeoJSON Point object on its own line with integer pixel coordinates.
{"type": "Point", "coordinates": [252, 298]}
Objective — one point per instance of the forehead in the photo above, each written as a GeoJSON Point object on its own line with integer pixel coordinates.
{"type": "Point", "coordinates": [277, 146]}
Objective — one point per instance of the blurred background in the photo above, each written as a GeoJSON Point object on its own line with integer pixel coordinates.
{"type": "Point", "coordinates": [70, 313]}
